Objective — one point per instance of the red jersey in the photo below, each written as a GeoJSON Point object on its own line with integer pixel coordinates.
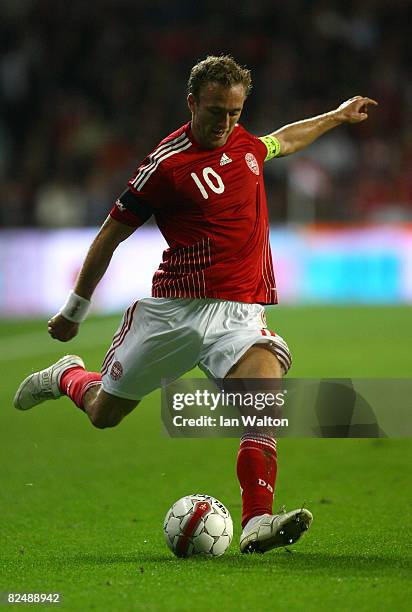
{"type": "Point", "coordinates": [210, 205]}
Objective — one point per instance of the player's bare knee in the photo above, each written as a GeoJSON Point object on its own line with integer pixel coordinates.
{"type": "Point", "coordinates": [103, 420]}
{"type": "Point", "coordinates": [107, 411]}
{"type": "Point", "coordinates": [259, 361]}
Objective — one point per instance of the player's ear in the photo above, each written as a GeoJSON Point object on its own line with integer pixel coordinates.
{"type": "Point", "coordinates": [191, 102]}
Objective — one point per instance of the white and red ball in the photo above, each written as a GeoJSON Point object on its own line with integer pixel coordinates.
{"type": "Point", "coordinates": [198, 525]}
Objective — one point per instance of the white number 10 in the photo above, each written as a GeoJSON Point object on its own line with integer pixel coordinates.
{"type": "Point", "coordinates": [207, 173]}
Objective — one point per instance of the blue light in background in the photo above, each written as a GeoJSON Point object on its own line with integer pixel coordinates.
{"type": "Point", "coordinates": [352, 277]}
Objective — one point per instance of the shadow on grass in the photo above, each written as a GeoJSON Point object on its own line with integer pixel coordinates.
{"type": "Point", "coordinates": [299, 562]}
{"type": "Point", "coordinates": [307, 562]}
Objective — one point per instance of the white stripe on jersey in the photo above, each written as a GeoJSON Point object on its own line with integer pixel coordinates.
{"type": "Point", "coordinates": [264, 264]}
{"type": "Point", "coordinates": [267, 271]}
{"type": "Point", "coordinates": [157, 157]}
{"type": "Point", "coordinates": [270, 265]}
{"type": "Point", "coordinates": [179, 150]}
{"type": "Point", "coordinates": [152, 157]}
{"type": "Point", "coordinates": [142, 172]}
{"type": "Point", "coordinates": [186, 269]}
{"type": "Point", "coordinates": [203, 267]}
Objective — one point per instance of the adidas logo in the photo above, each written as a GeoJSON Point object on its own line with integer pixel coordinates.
{"type": "Point", "coordinates": [225, 159]}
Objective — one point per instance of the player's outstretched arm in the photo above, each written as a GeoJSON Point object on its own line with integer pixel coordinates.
{"type": "Point", "coordinates": [65, 324]}
{"type": "Point", "coordinates": [297, 136]}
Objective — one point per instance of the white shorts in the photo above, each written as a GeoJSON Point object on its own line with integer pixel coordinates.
{"type": "Point", "coordinates": [164, 338]}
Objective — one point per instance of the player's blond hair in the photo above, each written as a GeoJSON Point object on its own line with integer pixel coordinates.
{"type": "Point", "coordinates": [218, 69]}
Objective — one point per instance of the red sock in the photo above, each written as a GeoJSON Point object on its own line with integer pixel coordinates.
{"type": "Point", "coordinates": [76, 381]}
{"type": "Point", "coordinates": [256, 471]}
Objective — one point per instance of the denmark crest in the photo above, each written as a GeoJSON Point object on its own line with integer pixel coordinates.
{"type": "Point", "coordinates": [252, 163]}
{"type": "Point", "coordinates": [116, 370]}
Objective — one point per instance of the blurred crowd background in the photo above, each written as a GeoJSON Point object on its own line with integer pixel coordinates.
{"type": "Point", "coordinates": [87, 89]}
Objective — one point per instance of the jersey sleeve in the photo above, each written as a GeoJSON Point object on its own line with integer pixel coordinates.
{"type": "Point", "coordinates": [272, 146]}
{"type": "Point", "coordinates": [146, 193]}
{"type": "Point", "coordinates": [149, 180]}
{"type": "Point", "coordinates": [131, 209]}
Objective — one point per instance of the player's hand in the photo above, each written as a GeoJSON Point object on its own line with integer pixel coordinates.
{"type": "Point", "coordinates": [354, 110]}
{"type": "Point", "coordinates": [61, 328]}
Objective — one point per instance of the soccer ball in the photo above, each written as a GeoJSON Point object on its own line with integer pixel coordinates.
{"type": "Point", "coordinates": [198, 525]}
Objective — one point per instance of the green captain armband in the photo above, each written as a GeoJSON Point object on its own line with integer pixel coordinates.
{"type": "Point", "coordinates": [273, 146]}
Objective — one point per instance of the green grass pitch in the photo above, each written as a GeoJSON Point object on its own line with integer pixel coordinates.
{"type": "Point", "coordinates": [82, 509]}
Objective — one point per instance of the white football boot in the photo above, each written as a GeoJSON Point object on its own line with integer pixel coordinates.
{"type": "Point", "coordinates": [269, 531]}
{"type": "Point", "coordinates": [44, 385]}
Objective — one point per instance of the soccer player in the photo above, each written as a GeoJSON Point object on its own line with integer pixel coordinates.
{"type": "Point", "coordinates": [204, 186]}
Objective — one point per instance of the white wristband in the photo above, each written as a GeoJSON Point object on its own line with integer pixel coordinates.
{"type": "Point", "coordinates": [75, 308]}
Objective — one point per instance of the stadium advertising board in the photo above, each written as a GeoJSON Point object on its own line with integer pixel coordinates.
{"type": "Point", "coordinates": [359, 265]}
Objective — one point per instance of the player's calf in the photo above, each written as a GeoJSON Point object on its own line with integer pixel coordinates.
{"type": "Point", "coordinates": [105, 410]}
